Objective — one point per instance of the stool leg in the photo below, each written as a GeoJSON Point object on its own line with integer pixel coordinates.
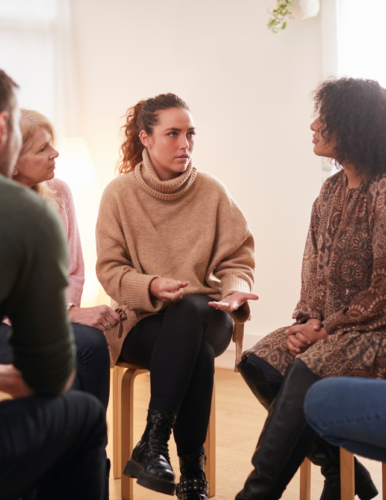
{"type": "Point", "coordinates": [384, 481]}
{"type": "Point", "coordinates": [127, 428]}
{"type": "Point", "coordinates": [305, 480]}
{"type": "Point", "coordinates": [347, 475]}
{"type": "Point", "coordinates": [116, 397]}
{"type": "Point", "coordinates": [210, 448]}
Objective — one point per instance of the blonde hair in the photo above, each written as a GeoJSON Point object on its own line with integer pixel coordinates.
{"type": "Point", "coordinates": [30, 120]}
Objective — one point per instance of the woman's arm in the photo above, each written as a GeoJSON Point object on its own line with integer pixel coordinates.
{"type": "Point", "coordinates": [75, 255]}
{"type": "Point", "coordinates": [308, 306]}
{"type": "Point", "coordinates": [115, 270]}
{"type": "Point", "coordinates": [367, 310]}
{"type": "Point", "coordinates": [233, 259]}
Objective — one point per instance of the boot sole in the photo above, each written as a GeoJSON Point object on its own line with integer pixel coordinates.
{"type": "Point", "coordinates": [134, 470]}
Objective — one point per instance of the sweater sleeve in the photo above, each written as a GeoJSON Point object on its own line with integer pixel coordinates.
{"type": "Point", "coordinates": [115, 269]}
{"type": "Point", "coordinates": [234, 251]}
{"type": "Point", "coordinates": [33, 266]}
{"type": "Point", "coordinates": [75, 255]}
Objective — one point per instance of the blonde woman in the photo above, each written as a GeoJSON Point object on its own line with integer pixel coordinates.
{"type": "Point", "coordinates": [35, 169]}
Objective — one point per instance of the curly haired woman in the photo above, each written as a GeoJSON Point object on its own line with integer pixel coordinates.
{"type": "Point", "coordinates": [171, 244]}
{"type": "Point", "coordinates": [340, 327]}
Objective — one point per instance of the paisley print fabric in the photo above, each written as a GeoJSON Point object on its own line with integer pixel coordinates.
{"type": "Point", "coordinates": [343, 284]}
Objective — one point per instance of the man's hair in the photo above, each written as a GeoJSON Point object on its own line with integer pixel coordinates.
{"type": "Point", "coordinates": [7, 94]}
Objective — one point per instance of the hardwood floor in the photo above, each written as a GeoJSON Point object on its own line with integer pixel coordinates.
{"type": "Point", "coordinates": [239, 421]}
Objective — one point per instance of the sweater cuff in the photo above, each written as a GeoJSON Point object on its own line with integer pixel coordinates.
{"type": "Point", "coordinates": [232, 284]}
{"type": "Point", "coordinates": [136, 293]}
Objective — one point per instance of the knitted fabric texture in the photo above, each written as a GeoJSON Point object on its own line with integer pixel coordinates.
{"type": "Point", "coordinates": [188, 228]}
{"type": "Point", "coordinates": [66, 209]}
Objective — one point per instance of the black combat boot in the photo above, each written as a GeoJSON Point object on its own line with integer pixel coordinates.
{"type": "Point", "coordinates": [193, 484]}
{"type": "Point", "coordinates": [150, 461]}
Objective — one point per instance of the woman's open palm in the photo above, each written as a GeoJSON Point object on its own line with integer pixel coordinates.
{"type": "Point", "coordinates": [234, 301]}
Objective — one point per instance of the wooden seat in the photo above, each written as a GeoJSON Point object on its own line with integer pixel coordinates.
{"type": "Point", "coordinates": [347, 477]}
{"type": "Point", "coordinates": [124, 375]}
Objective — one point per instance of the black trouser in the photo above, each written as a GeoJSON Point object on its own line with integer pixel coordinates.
{"type": "Point", "coordinates": [92, 360]}
{"type": "Point", "coordinates": [178, 346]}
{"type": "Point", "coordinates": [53, 445]}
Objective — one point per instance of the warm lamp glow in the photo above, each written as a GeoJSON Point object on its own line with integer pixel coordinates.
{"type": "Point", "coordinates": [76, 167]}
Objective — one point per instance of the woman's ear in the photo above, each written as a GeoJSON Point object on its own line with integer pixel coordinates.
{"type": "Point", "coordinates": [144, 138]}
{"type": "Point", "coordinates": [15, 172]}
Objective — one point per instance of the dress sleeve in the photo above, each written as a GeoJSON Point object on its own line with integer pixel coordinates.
{"type": "Point", "coordinates": [114, 267]}
{"type": "Point", "coordinates": [308, 305]}
{"type": "Point", "coordinates": [75, 255]}
{"type": "Point", "coordinates": [234, 259]}
{"type": "Point", "coordinates": [367, 310]}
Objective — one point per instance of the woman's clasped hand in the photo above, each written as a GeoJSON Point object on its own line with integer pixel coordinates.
{"type": "Point", "coordinates": [301, 337]}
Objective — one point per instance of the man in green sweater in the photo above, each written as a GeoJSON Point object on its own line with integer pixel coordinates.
{"type": "Point", "coordinates": [51, 441]}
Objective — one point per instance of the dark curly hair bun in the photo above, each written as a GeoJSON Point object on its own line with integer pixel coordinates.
{"type": "Point", "coordinates": [354, 111]}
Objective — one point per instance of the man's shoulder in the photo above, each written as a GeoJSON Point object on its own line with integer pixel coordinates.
{"type": "Point", "coordinates": [21, 209]}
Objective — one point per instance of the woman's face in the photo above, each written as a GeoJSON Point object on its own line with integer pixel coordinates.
{"type": "Point", "coordinates": [38, 163]}
{"type": "Point", "coordinates": [171, 144]}
{"type": "Point", "coordinates": [322, 146]}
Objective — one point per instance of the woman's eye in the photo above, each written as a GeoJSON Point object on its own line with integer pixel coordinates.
{"type": "Point", "coordinates": [43, 149]}
{"type": "Point", "coordinates": [191, 134]}
{"type": "Point", "coordinates": [172, 134]}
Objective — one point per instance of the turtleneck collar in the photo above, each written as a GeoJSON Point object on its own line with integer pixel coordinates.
{"type": "Point", "coordinates": [147, 178]}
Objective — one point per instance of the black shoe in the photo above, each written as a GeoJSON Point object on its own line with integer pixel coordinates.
{"type": "Point", "coordinates": [286, 438]}
{"type": "Point", "coordinates": [193, 484]}
{"type": "Point", "coordinates": [150, 461]}
{"type": "Point", "coordinates": [328, 457]}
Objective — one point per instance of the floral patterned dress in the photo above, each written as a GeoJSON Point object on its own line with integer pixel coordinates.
{"type": "Point", "coordinates": [343, 284]}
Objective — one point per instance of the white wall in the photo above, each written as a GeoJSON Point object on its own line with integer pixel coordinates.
{"type": "Point", "coordinates": [249, 92]}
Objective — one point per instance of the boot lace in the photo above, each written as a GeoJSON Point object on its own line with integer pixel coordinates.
{"type": "Point", "coordinates": [159, 436]}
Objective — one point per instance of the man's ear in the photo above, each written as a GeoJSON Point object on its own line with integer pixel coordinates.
{"type": "Point", "coordinates": [4, 121]}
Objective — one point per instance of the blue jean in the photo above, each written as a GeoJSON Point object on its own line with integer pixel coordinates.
{"type": "Point", "coordinates": [350, 412]}
{"type": "Point", "coordinates": [92, 365]}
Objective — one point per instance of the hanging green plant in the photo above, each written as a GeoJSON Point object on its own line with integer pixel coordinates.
{"type": "Point", "coordinates": [280, 15]}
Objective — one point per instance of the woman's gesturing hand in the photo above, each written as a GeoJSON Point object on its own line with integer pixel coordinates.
{"type": "Point", "coordinates": [301, 337]}
{"type": "Point", "coordinates": [167, 289]}
{"type": "Point", "coordinates": [12, 382]}
{"type": "Point", "coordinates": [101, 317]}
{"type": "Point", "coordinates": [234, 301]}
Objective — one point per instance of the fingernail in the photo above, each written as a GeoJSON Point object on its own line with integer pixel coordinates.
{"type": "Point", "coordinates": [286, 331]}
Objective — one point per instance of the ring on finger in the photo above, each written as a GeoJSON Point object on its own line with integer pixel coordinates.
{"type": "Point", "coordinates": [107, 324]}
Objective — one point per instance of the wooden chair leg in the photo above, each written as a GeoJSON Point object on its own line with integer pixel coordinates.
{"type": "Point", "coordinates": [305, 480]}
{"type": "Point", "coordinates": [127, 428]}
{"type": "Point", "coordinates": [210, 449]}
{"type": "Point", "coordinates": [347, 475]}
{"type": "Point", "coordinates": [116, 397]}
{"type": "Point", "coordinates": [384, 481]}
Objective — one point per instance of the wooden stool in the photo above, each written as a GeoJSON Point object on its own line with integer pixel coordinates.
{"type": "Point", "coordinates": [347, 477]}
{"type": "Point", "coordinates": [123, 429]}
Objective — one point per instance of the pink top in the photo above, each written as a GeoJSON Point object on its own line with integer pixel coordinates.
{"type": "Point", "coordinates": [67, 213]}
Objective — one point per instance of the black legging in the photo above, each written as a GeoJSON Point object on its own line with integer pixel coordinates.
{"type": "Point", "coordinates": [178, 346]}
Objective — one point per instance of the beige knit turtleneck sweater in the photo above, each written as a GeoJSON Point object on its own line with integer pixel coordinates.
{"type": "Point", "coordinates": [187, 229]}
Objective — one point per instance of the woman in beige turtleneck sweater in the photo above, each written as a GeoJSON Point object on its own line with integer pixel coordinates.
{"type": "Point", "coordinates": [176, 256]}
